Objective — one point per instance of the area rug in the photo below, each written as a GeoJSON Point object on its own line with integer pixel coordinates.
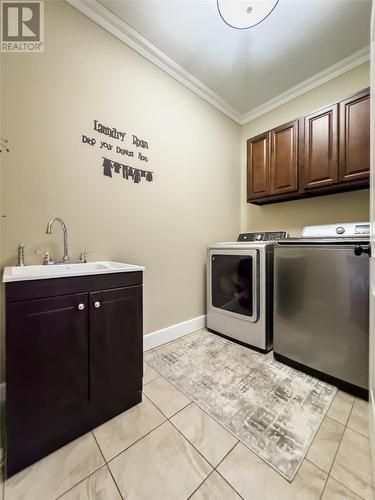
{"type": "Point", "coordinates": [273, 409]}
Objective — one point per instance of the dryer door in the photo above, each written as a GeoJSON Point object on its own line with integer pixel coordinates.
{"type": "Point", "coordinates": [233, 283]}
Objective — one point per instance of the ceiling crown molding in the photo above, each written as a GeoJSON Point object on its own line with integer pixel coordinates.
{"type": "Point", "coordinates": [354, 60]}
{"type": "Point", "coordinates": [107, 20]}
{"type": "Point", "coordinates": [114, 25]}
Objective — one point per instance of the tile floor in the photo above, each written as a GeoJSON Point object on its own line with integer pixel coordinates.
{"type": "Point", "coordinates": [167, 448]}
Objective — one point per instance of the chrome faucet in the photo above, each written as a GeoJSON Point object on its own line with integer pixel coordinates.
{"type": "Point", "coordinates": [21, 254]}
{"type": "Point", "coordinates": [66, 257]}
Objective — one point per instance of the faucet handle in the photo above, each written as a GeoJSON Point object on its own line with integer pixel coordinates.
{"type": "Point", "coordinates": [47, 257]}
{"type": "Point", "coordinates": [21, 254]}
{"type": "Point", "coordinates": [83, 256]}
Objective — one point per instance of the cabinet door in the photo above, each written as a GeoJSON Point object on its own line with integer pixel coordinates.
{"type": "Point", "coordinates": [258, 166]}
{"type": "Point", "coordinates": [355, 137]}
{"type": "Point", "coordinates": [321, 148]}
{"type": "Point", "coordinates": [284, 158]}
{"type": "Point", "coordinates": [116, 354]}
{"type": "Point", "coordinates": [47, 376]}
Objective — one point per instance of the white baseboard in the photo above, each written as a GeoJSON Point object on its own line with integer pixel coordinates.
{"type": "Point", "coordinates": [160, 337]}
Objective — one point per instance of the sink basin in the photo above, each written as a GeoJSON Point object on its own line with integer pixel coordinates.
{"type": "Point", "coordinates": [27, 273]}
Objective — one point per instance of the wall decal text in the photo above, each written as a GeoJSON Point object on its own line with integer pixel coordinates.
{"type": "Point", "coordinates": [111, 131]}
{"type": "Point", "coordinates": [135, 171]}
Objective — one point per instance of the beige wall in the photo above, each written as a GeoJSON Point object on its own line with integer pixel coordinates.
{"type": "Point", "coordinates": [293, 215]}
{"type": "Point", "coordinates": [49, 100]}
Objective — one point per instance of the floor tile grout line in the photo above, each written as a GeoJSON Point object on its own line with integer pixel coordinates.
{"type": "Point", "coordinates": [166, 416]}
{"type": "Point", "coordinates": [325, 472]}
{"type": "Point", "coordinates": [231, 485]}
{"type": "Point", "coordinates": [316, 434]}
{"type": "Point", "coordinates": [342, 436]}
{"type": "Point", "coordinates": [214, 468]}
{"type": "Point", "coordinates": [342, 484]}
{"type": "Point", "coordinates": [167, 419]}
{"type": "Point", "coordinates": [324, 487]}
{"type": "Point", "coordinates": [346, 487]}
{"type": "Point", "coordinates": [221, 475]}
{"type": "Point", "coordinates": [182, 409]}
{"type": "Point", "coordinates": [200, 484]}
{"type": "Point", "coordinates": [132, 444]}
{"type": "Point", "coordinates": [135, 442]}
{"type": "Point", "coordinates": [223, 478]}
{"type": "Point", "coordinates": [196, 404]}
{"type": "Point", "coordinates": [114, 480]}
{"type": "Point", "coordinates": [79, 482]}
{"type": "Point", "coordinates": [98, 445]}
{"type": "Point", "coordinates": [351, 428]}
{"type": "Point", "coordinates": [211, 465]}
{"type": "Point", "coordinates": [188, 440]}
{"type": "Point", "coordinates": [149, 382]}
{"type": "Point", "coordinates": [225, 456]}
{"type": "Point", "coordinates": [108, 468]}
{"type": "Point", "coordinates": [312, 442]}
{"type": "Point", "coordinates": [238, 441]}
{"type": "Point", "coordinates": [334, 459]}
{"type": "Point", "coordinates": [191, 444]}
{"type": "Point", "coordinates": [317, 466]}
{"type": "Point", "coordinates": [358, 432]}
{"type": "Point", "coordinates": [335, 419]}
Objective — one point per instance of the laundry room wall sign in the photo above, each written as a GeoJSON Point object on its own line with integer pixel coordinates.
{"type": "Point", "coordinates": [127, 147]}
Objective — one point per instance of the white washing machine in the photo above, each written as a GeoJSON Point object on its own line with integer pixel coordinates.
{"type": "Point", "coordinates": [240, 288]}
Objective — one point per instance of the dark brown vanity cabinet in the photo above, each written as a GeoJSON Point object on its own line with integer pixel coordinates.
{"type": "Point", "coordinates": [324, 152]}
{"type": "Point", "coordinates": [116, 349]}
{"type": "Point", "coordinates": [73, 359]}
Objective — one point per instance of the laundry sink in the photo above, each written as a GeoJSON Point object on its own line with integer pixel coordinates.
{"type": "Point", "coordinates": [27, 273]}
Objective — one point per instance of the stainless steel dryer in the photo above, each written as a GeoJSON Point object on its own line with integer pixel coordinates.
{"type": "Point", "coordinates": [240, 288]}
{"type": "Point", "coordinates": [321, 321]}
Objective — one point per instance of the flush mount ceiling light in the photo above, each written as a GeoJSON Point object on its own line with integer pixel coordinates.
{"type": "Point", "coordinates": [244, 14]}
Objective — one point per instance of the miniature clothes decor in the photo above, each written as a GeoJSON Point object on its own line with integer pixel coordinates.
{"type": "Point", "coordinates": [107, 167]}
{"type": "Point", "coordinates": [128, 172]}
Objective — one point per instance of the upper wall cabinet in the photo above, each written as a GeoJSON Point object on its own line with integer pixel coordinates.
{"type": "Point", "coordinates": [284, 158]}
{"type": "Point", "coordinates": [321, 148]}
{"type": "Point", "coordinates": [258, 157]}
{"type": "Point", "coordinates": [355, 137]}
{"type": "Point", "coordinates": [325, 152]}
{"type": "Point", "coordinates": [272, 162]}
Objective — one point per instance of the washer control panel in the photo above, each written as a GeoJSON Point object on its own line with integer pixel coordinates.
{"type": "Point", "coordinates": [343, 230]}
{"type": "Point", "coordinates": [362, 229]}
{"type": "Point", "coordinates": [264, 236]}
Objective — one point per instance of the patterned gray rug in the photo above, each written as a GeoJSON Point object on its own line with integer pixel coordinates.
{"type": "Point", "coordinates": [272, 408]}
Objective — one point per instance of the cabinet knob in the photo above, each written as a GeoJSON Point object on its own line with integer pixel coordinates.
{"type": "Point", "coordinates": [81, 307]}
{"type": "Point", "coordinates": [97, 304]}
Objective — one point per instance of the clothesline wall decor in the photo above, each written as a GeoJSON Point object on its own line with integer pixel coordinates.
{"type": "Point", "coordinates": [129, 143]}
{"type": "Point", "coordinates": [135, 174]}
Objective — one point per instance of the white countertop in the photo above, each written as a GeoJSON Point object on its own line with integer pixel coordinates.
{"type": "Point", "coordinates": [28, 273]}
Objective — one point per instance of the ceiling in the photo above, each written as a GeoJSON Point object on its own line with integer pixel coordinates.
{"type": "Point", "coordinates": [247, 68]}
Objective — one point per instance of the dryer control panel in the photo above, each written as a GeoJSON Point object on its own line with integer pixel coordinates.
{"type": "Point", "coordinates": [264, 236]}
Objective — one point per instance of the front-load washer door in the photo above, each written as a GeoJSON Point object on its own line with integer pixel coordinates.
{"type": "Point", "coordinates": [233, 279]}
